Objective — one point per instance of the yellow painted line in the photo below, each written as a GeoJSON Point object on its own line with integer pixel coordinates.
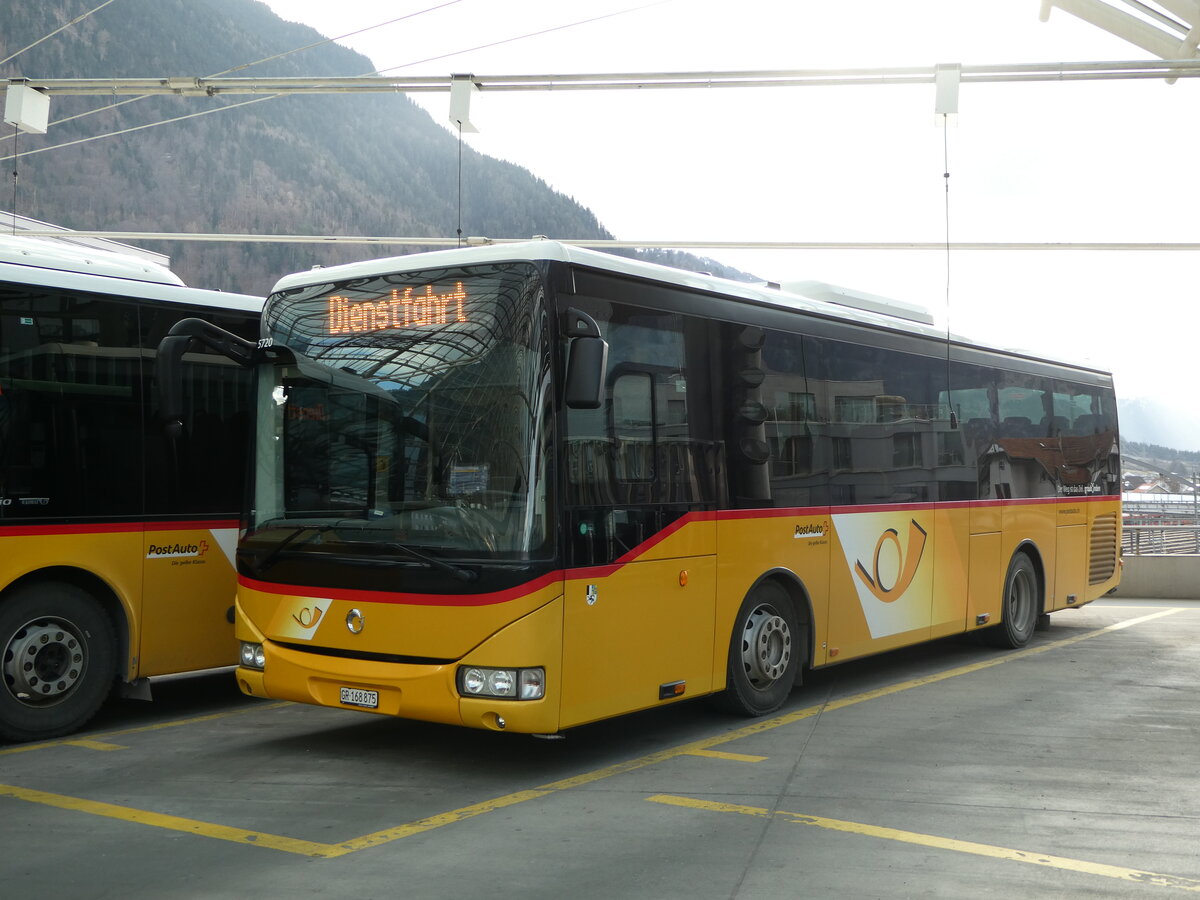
{"type": "Point", "coordinates": [694, 748]}
{"type": "Point", "coordinates": [448, 818]}
{"type": "Point", "coordinates": [141, 729]}
{"type": "Point", "coordinates": [89, 744]}
{"type": "Point", "coordinates": [172, 823]}
{"type": "Point", "coordinates": [1120, 873]}
{"type": "Point", "coordinates": [259, 838]}
{"type": "Point", "coordinates": [731, 757]}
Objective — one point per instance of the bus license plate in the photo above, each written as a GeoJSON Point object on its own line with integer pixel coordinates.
{"type": "Point", "coordinates": [357, 697]}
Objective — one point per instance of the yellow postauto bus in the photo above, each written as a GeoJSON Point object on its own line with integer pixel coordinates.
{"type": "Point", "coordinates": [116, 547]}
{"type": "Point", "coordinates": [531, 486]}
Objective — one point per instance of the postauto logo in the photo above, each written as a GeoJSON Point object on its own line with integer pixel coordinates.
{"type": "Point", "coordinates": [176, 551]}
{"type": "Point", "coordinates": [884, 554]}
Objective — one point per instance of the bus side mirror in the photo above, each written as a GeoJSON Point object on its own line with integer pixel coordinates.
{"type": "Point", "coordinates": [587, 362]}
{"type": "Point", "coordinates": [168, 363]}
{"type": "Point", "coordinates": [169, 373]}
{"type": "Point", "coordinates": [585, 373]}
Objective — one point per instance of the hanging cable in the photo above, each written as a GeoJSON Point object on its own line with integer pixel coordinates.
{"type": "Point", "coordinates": [55, 31]}
{"type": "Point", "coordinates": [100, 109]}
{"type": "Point", "coordinates": [460, 196]}
{"type": "Point", "coordinates": [522, 37]}
{"type": "Point", "coordinates": [339, 38]}
{"type": "Point", "coordinates": [274, 96]}
{"type": "Point", "coordinates": [946, 179]}
{"type": "Point", "coordinates": [14, 159]}
{"type": "Point", "coordinates": [96, 137]}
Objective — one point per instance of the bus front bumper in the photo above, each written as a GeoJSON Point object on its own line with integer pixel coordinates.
{"type": "Point", "coordinates": [426, 692]}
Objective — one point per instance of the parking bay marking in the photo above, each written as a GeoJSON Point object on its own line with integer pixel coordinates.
{"type": "Point", "coordinates": [940, 843]}
{"type": "Point", "coordinates": [695, 748]}
{"type": "Point", "coordinates": [95, 742]}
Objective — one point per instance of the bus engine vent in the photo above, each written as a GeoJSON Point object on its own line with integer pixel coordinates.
{"type": "Point", "coordinates": [1102, 562]}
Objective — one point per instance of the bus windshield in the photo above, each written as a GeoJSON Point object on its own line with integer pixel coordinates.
{"type": "Point", "coordinates": [412, 425]}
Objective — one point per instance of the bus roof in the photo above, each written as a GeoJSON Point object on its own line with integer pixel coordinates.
{"type": "Point", "coordinates": [49, 253]}
{"type": "Point", "coordinates": [37, 261]}
{"type": "Point", "coordinates": [812, 297]}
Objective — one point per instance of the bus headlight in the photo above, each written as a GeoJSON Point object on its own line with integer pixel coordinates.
{"type": "Point", "coordinates": [505, 684]}
{"type": "Point", "coordinates": [253, 656]}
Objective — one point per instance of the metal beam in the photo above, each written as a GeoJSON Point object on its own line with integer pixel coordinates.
{"type": "Point", "coordinates": [1021, 72]}
{"type": "Point", "coordinates": [601, 243]}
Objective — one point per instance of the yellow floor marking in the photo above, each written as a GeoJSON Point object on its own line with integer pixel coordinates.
{"type": "Point", "coordinates": [694, 748]}
{"type": "Point", "coordinates": [172, 823]}
{"type": "Point", "coordinates": [89, 744]}
{"type": "Point", "coordinates": [448, 818]}
{"type": "Point", "coordinates": [940, 843]}
{"type": "Point", "coordinates": [141, 729]}
{"type": "Point", "coordinates": [731, 757]}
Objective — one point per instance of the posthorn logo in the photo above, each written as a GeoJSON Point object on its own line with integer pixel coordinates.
{"type": "Point", "coordinates": [890, 589]}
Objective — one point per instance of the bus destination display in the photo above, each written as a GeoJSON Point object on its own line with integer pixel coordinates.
{"type": "Point", "coordinates": [407, 308]}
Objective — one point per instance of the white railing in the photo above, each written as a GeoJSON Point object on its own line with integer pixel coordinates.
{"type": "Point", "coordinates": [1161, 540]}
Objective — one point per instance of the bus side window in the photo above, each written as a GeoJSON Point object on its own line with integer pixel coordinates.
{"type": "Point", "coordinates": [649, 454]}
{"type": "Point", "coordinates": [633, 423]}
{"type": "Point", "coordinates": [70, 371]}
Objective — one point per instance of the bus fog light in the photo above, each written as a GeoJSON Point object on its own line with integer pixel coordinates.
{"type": "Point", "coordinates": [253, 656]}
{"type": "Point", "coordinates": [504, 684]}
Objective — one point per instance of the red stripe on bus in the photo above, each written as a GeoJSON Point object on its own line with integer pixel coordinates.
{"type": "Point", "coordinates": [605, 571]}
{"type": "Point", "coordinates": [112, 528]}
{"type": "Point", "coordinates": [658, 538]}
{"type": "Point", "coordinates": [406, 599]}
{"type": "Point", "coordinates": [781, 512]}
{"type": "Point", "coordinates": [193, 526]}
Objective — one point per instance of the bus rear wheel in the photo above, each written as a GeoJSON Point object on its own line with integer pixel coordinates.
{"type": "Point", "coordinates": [57, 661]}
{"type": "Point", "coordinates": [764, 653]}
{"type": "Point", "coordinates": [1020, 605]}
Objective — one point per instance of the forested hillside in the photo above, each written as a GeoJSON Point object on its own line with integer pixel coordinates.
{"type": "Point", "coordinates": [326, 164]}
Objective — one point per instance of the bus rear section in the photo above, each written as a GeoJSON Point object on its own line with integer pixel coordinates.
{"type": "Point", "coordinates": [117, 548]}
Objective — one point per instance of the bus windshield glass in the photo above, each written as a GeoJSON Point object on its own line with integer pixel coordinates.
{"type": "Point", "coordinates": [412, 424]}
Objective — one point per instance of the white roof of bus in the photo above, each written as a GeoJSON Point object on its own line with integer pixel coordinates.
{"type": "Point", "coordinates": [812, 297]}
{"type": "Point", "coordinates": [29, 260]}
{"type": "Point", "coordinates": [47, 253]}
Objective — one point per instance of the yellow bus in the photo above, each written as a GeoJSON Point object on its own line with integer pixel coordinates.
{"type": "Point", "coordinates": [116, 547]}
{"type": "Point", "coordinates": [530, 486]}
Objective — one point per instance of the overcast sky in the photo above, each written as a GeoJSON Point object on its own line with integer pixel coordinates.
{"type": "Point", "coordinates": [1043, 162]}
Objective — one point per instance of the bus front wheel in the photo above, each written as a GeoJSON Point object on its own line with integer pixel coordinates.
{"type": "Point", "coordinates": [764, 653]}
{"type": "Point", "coordinates": [1020, 605]}
{"type": "Point", "coordinates": [57, 661]}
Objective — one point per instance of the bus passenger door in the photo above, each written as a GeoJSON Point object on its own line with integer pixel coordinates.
{"type": "Point", "coordinates": [640, 632]}
{"type": "Point", "coordinates": [188, 589]}
{"type": "Point", "coordinates": [642, 476]}
{"type": "Point", "coordinates": [194, 489]}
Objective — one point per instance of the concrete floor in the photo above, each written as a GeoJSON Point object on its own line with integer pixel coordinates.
{"type": "Point", "coordinates": [950, 770]}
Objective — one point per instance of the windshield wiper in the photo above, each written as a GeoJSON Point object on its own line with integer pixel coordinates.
{"type": "Point", "coordinates": [465, 575]}
{"type": "Point", "coordinates": [260, 566]}
{"type": "Point", "coordinates": [457, 571]}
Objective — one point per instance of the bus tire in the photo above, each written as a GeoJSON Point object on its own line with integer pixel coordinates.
{"type": "Point", "coordinates": [58, 660]}
{"type": "Point", "coordinates": [764, 653]}
{"type": "Point", "coordinates": [1020, 605]}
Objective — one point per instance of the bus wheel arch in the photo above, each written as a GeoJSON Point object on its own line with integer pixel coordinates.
{"type": "Point", "coordinates": [769, 646]}
{"type": "Point", "coordinates": [1022, 599]}
{"type": "Point", "coordinates": [59, 652]}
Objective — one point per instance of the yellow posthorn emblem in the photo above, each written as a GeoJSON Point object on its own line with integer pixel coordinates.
{"type": "Point", "coordinates": [308, 617]}
{"type": "Point", "coordinates": [910, 559]}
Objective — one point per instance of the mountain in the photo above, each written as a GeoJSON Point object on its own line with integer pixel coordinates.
{"type": "Point", "coordinates": [1148, 421]}
{"type": "Point", "coordinates": [368, 164]}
